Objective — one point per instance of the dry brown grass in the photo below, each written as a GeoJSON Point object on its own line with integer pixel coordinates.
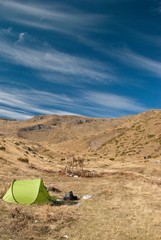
{"type": "Point", "coordinates": [124, 205]}
{"type": "Point", "coordinates": [126, 199]}
{"type": "Point", "coordinates": [34, 222]}
{"type": "Point", "coordinates": [120, 209]}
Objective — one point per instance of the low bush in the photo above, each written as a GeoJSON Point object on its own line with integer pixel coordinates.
{"type": "Point", "coordinates": [24, 160]}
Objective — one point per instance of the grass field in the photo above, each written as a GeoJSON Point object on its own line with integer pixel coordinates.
{"type": "Point", "coordinates": [123, 206]}
{"type": "Point", "coordinates": [124, 157]}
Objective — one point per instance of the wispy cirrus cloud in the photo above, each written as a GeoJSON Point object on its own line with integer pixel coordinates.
{"type": "Point", "coordinates": [47, 59]}
{"type": "Point", "coordinates": [21, 37]}
{"type": "Point", "coordinates": [138, 61]}
{"type": "Point", "coordinates": [30, 102]}
{"type": "Point", "coordinates": [27, 103]}
{"type": "Point", "coordinates": [14, 113]}
{"type": "Point", "coordinates": [160, 7]}
{"type": "Point", "coordinates": [113, 101]}
{"type": "Point", "coordinates": [157, 10]}
{"type": "Point", "coordinates": [62, 19]}
{"type": "Point", "coordinates": [6, 30]}
{"type": "Point", "coordinates": [49, 63]}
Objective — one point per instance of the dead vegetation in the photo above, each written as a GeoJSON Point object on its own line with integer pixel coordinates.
{"type": "Point", "coordinates": [123, 206]}
{"type": "Point", "coordinates": [24, 160]}
{"type": "Point", "coordinates": [120, 171]}
{"type": "Point", "coordinates": [74, 167]}
{"type": "Point", "coordinates": [35, 222]}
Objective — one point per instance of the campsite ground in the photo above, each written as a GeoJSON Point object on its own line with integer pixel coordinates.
{"type": "Point", "coordinates": [125, 186]}
{"type": "Point", "coordinates": [125, 205]}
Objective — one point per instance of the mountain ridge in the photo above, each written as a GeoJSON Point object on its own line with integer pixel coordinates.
{"type": "Point", "coordinates": [136, 135]}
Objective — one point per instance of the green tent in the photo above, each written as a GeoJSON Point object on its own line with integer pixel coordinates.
{"type": "Point", "coordinates": [28, 192]}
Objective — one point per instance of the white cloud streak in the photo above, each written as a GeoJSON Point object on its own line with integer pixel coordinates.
{"type": "Point", "coordinates": [49, 17]}
{"type": "Point", "coordinates": [149, 39]}
{"type": "Point", "coordinates": [6, 30]}
{"type": "Point", "coordinates": [113, 101]}
{"type": "Point", "coordinates": [21, 37]}
{"type": "Point", "coordinates": [44, 59]}
{"type": "Point", "coordinates": [14, 114]}
{"type": "Point", "coordinates": [54, 62]}
{"type": "Point", "coordinates": [157, 10]}
{"type": "Point", "coordinates": [138, 61]}
{"type": "Point", "coordinates": [27, 103]}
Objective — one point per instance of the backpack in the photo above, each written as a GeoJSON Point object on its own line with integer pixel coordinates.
{"type": "Point", "coordinates": [70, 196]}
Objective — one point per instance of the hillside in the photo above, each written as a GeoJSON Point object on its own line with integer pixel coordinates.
{"type": "Point", "coordinates": [124, 156]}
{"type": "Point", "coordinates": [138, 135]}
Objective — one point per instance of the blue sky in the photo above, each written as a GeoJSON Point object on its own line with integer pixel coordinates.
{"type": "Point", "coordinates": [95, 58]}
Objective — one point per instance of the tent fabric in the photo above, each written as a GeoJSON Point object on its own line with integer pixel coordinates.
{"type": "Point", "coordinates": [28, 192]}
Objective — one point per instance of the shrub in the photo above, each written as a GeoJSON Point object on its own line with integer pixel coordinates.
{"type": "Point", "coordinates": [24, 160]}
{"type": "Point", "coordinates": [151, 135]}
{"type": "Point", "coordinates": [2, 148]}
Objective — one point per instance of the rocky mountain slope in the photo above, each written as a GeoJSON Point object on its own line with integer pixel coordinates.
{"type": "Point", "coordinates": [120, 138]}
